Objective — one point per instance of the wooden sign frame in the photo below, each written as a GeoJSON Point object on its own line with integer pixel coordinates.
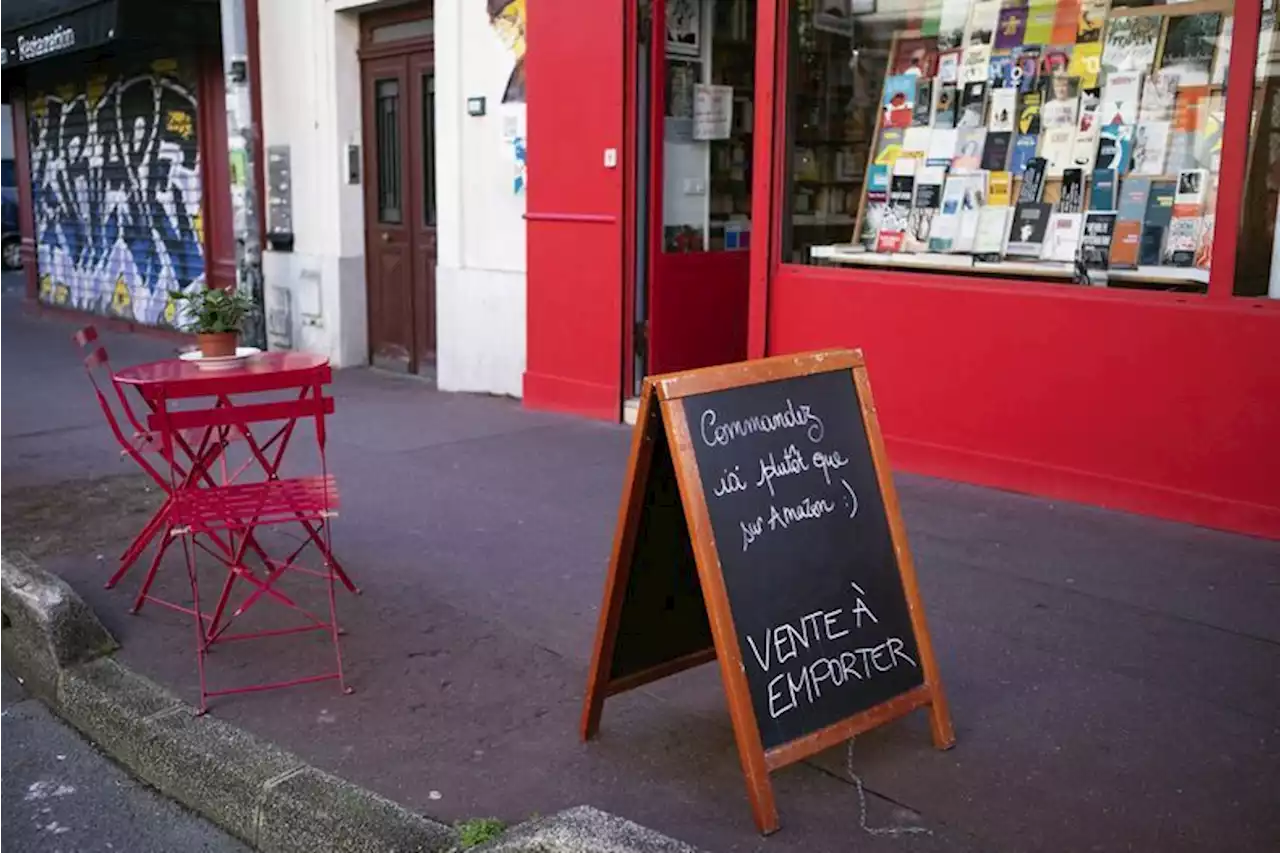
{"type": "Point", "coordinates": [664, 394]}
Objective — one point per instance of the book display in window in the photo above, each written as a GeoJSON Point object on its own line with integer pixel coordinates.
{"type": "Point", "coordinates": [1104, 125]}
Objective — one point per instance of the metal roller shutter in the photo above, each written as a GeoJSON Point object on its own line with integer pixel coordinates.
{"type": "Point", "coordinates": [115, 166]}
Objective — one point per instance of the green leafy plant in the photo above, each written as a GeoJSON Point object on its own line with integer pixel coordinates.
{"type": "Point", "coordinates": [213, 309]}
{"type": "Point", "coordinates": [477, 831]}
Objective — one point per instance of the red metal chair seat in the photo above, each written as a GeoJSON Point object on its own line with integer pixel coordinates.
{"type": "Point", "coordinates": [243, 506]}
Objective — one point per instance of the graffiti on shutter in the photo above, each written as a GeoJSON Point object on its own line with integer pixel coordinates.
{"type": "Point", "coordinates": [115, 166]}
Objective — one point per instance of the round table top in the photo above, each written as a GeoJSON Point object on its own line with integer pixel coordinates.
{"type": "Point", "coordinates": [174, 370]}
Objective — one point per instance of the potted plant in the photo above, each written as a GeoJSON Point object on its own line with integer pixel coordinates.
{"type": "Point", "coordinates": [215, 314]}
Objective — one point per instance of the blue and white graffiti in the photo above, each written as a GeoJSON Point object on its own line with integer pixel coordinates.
{"type": "Point", "coordinates": [115, 166]}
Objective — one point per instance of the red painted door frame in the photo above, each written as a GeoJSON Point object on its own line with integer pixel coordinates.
{"type": "Point", "coordinates": [575, 204]}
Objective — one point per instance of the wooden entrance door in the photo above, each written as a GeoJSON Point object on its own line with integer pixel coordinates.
{"type": "Point", "coordinates": [400, 207]}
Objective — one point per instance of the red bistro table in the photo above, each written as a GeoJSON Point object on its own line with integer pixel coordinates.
{"type": "Point", "coordinates": [209, 504]}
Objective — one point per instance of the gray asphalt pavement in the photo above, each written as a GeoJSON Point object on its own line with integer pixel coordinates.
{"type": "Point", "coordinates": [60, 795]}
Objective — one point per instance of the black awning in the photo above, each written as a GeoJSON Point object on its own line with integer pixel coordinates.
{"type": "Point", "coordinates": [42, 30]}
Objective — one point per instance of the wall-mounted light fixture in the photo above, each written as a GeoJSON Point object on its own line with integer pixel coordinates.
{"type": "Point", "coordinates": [475, 106]}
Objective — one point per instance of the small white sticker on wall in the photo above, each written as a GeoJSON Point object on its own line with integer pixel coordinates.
{"type": "Point", "coordinates": [610, 158]}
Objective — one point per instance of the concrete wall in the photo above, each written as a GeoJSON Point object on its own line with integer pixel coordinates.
{"type": "Point", "coordinates": [311, 103]}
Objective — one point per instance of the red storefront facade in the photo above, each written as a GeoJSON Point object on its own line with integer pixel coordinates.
{"type": "Point", "coordinates": [1163, 401]}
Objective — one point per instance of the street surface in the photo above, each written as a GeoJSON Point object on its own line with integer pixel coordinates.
{"type": "Point", "coordinates": [62, 796]}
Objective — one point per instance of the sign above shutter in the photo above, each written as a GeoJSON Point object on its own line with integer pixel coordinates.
{"type": "Point", "coordinates": [81, 28]}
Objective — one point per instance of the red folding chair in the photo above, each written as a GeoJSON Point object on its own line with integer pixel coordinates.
{"type": "Point", "coordinates": [236, 509]}
{"type": "Point", "coordinates": [139, 446]}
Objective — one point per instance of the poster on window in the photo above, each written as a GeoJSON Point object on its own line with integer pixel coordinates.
{"type": "Point", "coordinates": [712, 111]}
{"type": "Point", "coordinates": [684, 28]}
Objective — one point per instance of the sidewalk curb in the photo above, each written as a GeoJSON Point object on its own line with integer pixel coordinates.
{"type": "Point", "coordinates": [267, 797]}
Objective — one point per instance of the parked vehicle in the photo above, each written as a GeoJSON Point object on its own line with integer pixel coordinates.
{"type": "Point", "coordinates": [12, 251]}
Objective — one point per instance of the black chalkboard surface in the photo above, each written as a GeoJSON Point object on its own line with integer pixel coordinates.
{"type": "Point", "coordinates": [805, 551]}
{"type": "Point", "coordinates": [759, 528]}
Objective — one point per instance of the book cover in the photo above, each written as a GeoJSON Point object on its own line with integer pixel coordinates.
{"type": "Point", "coordinates": [1150, 244]}
{"type": "Point", "coordinates": [1181, 240]}
{"type": "Point", "coordinates": [1089, 21]}
{"type": "Point", "coordinates": [1115, 144]}
{"type": "Point", "coordinates": [1190, 106]}
{"type": "Point", "coordinates": [942, 146]}
{"type": "Point", "coordinates": [953, 19]}
{"type": "Point", "coordinates": [1095, 241]}
{"type": "Point", "coordinates": [1130, 44]}
{"type": "Point", "coordinates": [1133, 199]}
{"type": "Point", "coordinates": [969, 147]}
{"type": "Point", "coordinates": [919, 224]}
{"type": "Point", "coordinates": [1181, 154]}
{"type": "Point", "coordinates": [1003, 113]}
{"type": "Point", "coordinates": [1125, 243]}
{"type": "Point", "coordinates": [878, 182]}
{"type": "Point", "coordinates": [946, 224]}
{"type": "Point", "coordinates": [916, 141]}
{"type": "Point", "coordinates": [1054, 60]}
{"type": "Point", "coordinates": [999, 188]}
{"type": "Point", "coordinates": [1039, 26]}
{"type": "Point", "coordinates": [1000, 70]}
{"type": "Point", "coordinates": [1207, 141]}
{"type": "Point", "coordinates": [889, 147]}
{"type": "Point", "coordinates": [1160, 203]}
{"type": "Point", "coordinates": [1065, 16]}
{"type": "Point", "coordinates": [1222, 58]}
{"type": "Point", "coordinates": [1071, 198]}
{"type": "Point", "coordinates": [1086, 63]}
{"type": "Point", "coordinates": [1150, 147]}
{"type": "Point", "coordinates": [984, 16]}
{"type": "Point", "coordinates": [1159, 94]}
{"type": "Point", "coordinates": [890, 241]}
{"type": "Point", "coordinates": [1062, 102]}
{"type": "Point", "coordinates": [1192, 189]}
{"type": "Point", "coordinates": [946, 108]}
{"type": "Point", "coordinates": [1189, 45]}
{"type": "Point", "coordinates": [922, 106]}
{"type": "Point", "coordinates": [1027, 233]}
{"type": "Point", "coordinates": [871, 219]}
{"type": "Point", "coordinates": [973, 103]}
{"type": "Point", "coordinates": [1062, 237]}
{"type": "Point", "coordinates": [924, 207]}
{"type": "Point", "coordinates": [992, 226]}
{"type": "Point", "coordinates": [1120, 96]}
{"type": "Point", "coordinates": [995, 151]}
{"type": "Point", "coordinates": [973, 198]}
{"type": "Point", "coordinates": [1055, 147]}
{"type": "Point", "coordinates": [1026, 67]}
{"type": "Point", "coordinates": [1085, 149]}
{"type": "Point", "coordinates": [1029, 112]}
{"type": "Point", "coordinates": [916, 56]}
{"type": "Point", "coordinates": [899, 100]}
{"type": "Point", "coordinates": [975, 64]}
{"type": "Point", "coordinates": [1010, 28]}
{"type": "Point", "coordinates": [1032, 187]}
{"type": "Point", "coordinates": [1024, 150]}
{"type": "Point", "coordinates": [1204, 243]}
{"type": "Point", "coordinates": [949, 67]}
{"type": "Point", "coordinates": [1102, 191]}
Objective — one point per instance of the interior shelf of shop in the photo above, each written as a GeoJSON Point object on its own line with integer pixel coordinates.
{"type": "Point", "coordinates": [822, 219]}
{"type": "Point", "coordinates": [851, 253]}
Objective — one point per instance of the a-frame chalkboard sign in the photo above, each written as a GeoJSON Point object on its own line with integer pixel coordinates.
{"type": "Point", "coordinates": [760, 527]}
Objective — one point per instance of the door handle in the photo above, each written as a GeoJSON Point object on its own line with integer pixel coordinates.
{"type": "Point", "coordinates": [386, 238]}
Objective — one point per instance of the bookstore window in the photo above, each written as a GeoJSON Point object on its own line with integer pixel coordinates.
{"type": "Point", "coordinates": [1258, 251]}
{"type": "Point", "coordinates": [706, 133]}
{"type": "Point", "coordinates": [1076, 141]}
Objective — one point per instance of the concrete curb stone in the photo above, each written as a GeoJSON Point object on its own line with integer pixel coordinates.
{"type": "Point", "coordinates": [254, 790]}
{"type": "Point", "coordinates": [582, 830]}
{"type": "Point", "coordinates": [49, 626]}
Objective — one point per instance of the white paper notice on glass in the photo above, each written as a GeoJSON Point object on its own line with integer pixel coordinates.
{"type": "Point", "coordinates": [712, 111]}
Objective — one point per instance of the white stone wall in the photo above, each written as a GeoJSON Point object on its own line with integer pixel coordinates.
{"type": "Point", "coordinates": [311, 102]}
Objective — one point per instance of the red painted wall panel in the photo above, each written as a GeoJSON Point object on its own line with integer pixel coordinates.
{"type": "Point", "coordinates": [1167, 406]}
{"type": "Point", "coordinates": [574, 349]}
